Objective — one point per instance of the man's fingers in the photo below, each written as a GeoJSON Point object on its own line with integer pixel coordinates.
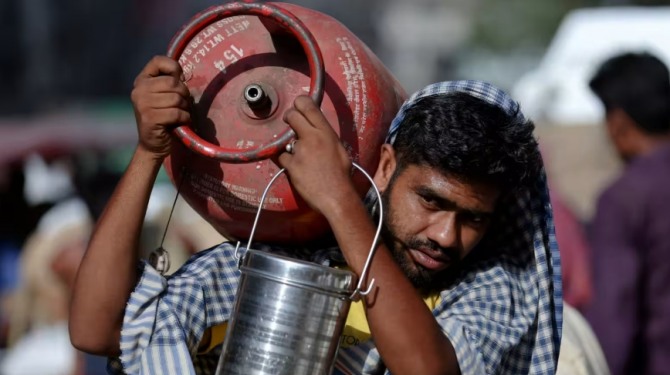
{"type": "Point", "coordinates": [168, 117]}
{"type": "Point", "coordinates": [166, 84]}
{"type": "Point", "coordinates": [161, 65]}
{"type": "Point", "coordinates": [168, 100]}
{"type": "Point", "coordinates": [184, 117]}
{"type": "Point", "coordinates": [284, 160]}
{"type": "Point", "coordinates": [297, 122]}
{"type": "Point", "coordinates": [306, 106]}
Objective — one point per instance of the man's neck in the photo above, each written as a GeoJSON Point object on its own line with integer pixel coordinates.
{"type": "Point", "coordinates": [652, 143]}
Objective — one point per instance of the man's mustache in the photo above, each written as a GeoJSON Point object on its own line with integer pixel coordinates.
{"type": "Point", "coordinates": [416, 243]}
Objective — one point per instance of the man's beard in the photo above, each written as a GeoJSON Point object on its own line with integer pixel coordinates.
{"type": "Point", "coordinates": [423, 279]}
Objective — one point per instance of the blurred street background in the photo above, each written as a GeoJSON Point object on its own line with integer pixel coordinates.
{"type": "Point", "coordinates": [67, 128]}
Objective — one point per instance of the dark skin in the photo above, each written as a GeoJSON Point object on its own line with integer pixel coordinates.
{"type": "Point", "coordinates": [629, 140]}
{"type": "Point", "coordinates": [426, 206]}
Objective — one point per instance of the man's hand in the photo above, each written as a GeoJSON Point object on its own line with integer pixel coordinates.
{"type": "Point", "coordinates": [161, 101]}
{"type": "Point", "coordinates": [319, 166]}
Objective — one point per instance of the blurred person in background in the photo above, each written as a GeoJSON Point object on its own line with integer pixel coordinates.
{"type": "Point", "coordinates": [17, 221]}
{"type": "Point", "coordinates": [38, 324]}
{"type": "Point", "coordinates": [48, 262]}
{"type": "Point", "coordinates": [630, 237]}
{"type": "Point", "coordinates": [49, 259]}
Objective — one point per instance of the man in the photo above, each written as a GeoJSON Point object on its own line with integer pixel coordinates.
{"type": "Point", "coordinates": [466, 282]}
{"type": "Point", "coordinates": [630, 312]}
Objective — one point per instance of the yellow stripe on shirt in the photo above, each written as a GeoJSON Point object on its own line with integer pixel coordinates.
{"type": "Point", "coordinates": [356, 329]}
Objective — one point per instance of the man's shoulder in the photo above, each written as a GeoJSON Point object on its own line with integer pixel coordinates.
{"type": "Point", "coordinates": [643, 179]}
{"type": "Point", "coordinates": [647, 172]}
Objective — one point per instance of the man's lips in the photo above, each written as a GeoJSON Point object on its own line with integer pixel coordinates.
{"type": "Point", "coordinates": [429, 259]}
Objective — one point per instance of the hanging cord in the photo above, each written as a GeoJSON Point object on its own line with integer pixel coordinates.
{"type": "Point", "coordinates": [160, 258]}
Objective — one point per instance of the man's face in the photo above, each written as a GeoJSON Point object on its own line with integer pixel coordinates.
{"type": "Point", "coordinates": [432, 221]}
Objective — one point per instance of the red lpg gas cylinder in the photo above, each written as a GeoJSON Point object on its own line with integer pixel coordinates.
{"type": "Point", "coordinates": [244, 64]}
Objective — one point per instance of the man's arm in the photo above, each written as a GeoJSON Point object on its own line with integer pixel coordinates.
{"type": "Point", "coordinates": [408, 337]}
{"type": "Point", "coordinates": [405, 332]}
{"type": "Point", "coordinates": [613, 312]}
{"type": "Point", "coordinates": [108, 272]}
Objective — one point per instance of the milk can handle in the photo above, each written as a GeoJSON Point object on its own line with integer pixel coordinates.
{"type": "Point", "coordinates": [361, 280]}
{"type": "Point", "coordinates": [314, 59]}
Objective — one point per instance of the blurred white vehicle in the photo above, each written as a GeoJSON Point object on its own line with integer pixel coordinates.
{"type": "Point", "coordinates": [557, 91]}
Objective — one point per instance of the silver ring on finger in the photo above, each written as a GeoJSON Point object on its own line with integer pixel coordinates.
{"type": "Point", "coordinates": [290, 147]}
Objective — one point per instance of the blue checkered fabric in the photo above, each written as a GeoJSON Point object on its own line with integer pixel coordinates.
{"type": "Point", "coordinates": [478, 89]}
{"type": "Point", "coordinates": [502, 314]}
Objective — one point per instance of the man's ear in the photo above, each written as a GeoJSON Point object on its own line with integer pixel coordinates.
{"type": "Point", "coordinates": [386, 167]}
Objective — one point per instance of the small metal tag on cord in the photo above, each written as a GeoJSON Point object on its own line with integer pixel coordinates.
{"type": "Point", "coordinates": [160, 260]}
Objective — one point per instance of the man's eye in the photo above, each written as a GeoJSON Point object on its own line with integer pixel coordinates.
{"type": "Point", "coordinates": [428, 201]}
{"type": "Point", "coordinates": [476, 219]}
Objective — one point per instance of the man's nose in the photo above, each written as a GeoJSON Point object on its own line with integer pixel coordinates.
{"type": "Point", "coordinates": [443, 229]}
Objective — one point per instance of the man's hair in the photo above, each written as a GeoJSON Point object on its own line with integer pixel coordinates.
{"type": "Point", "coordinates": [638, 84]}
{"type": "Point", "coordinates": [470, 139]}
